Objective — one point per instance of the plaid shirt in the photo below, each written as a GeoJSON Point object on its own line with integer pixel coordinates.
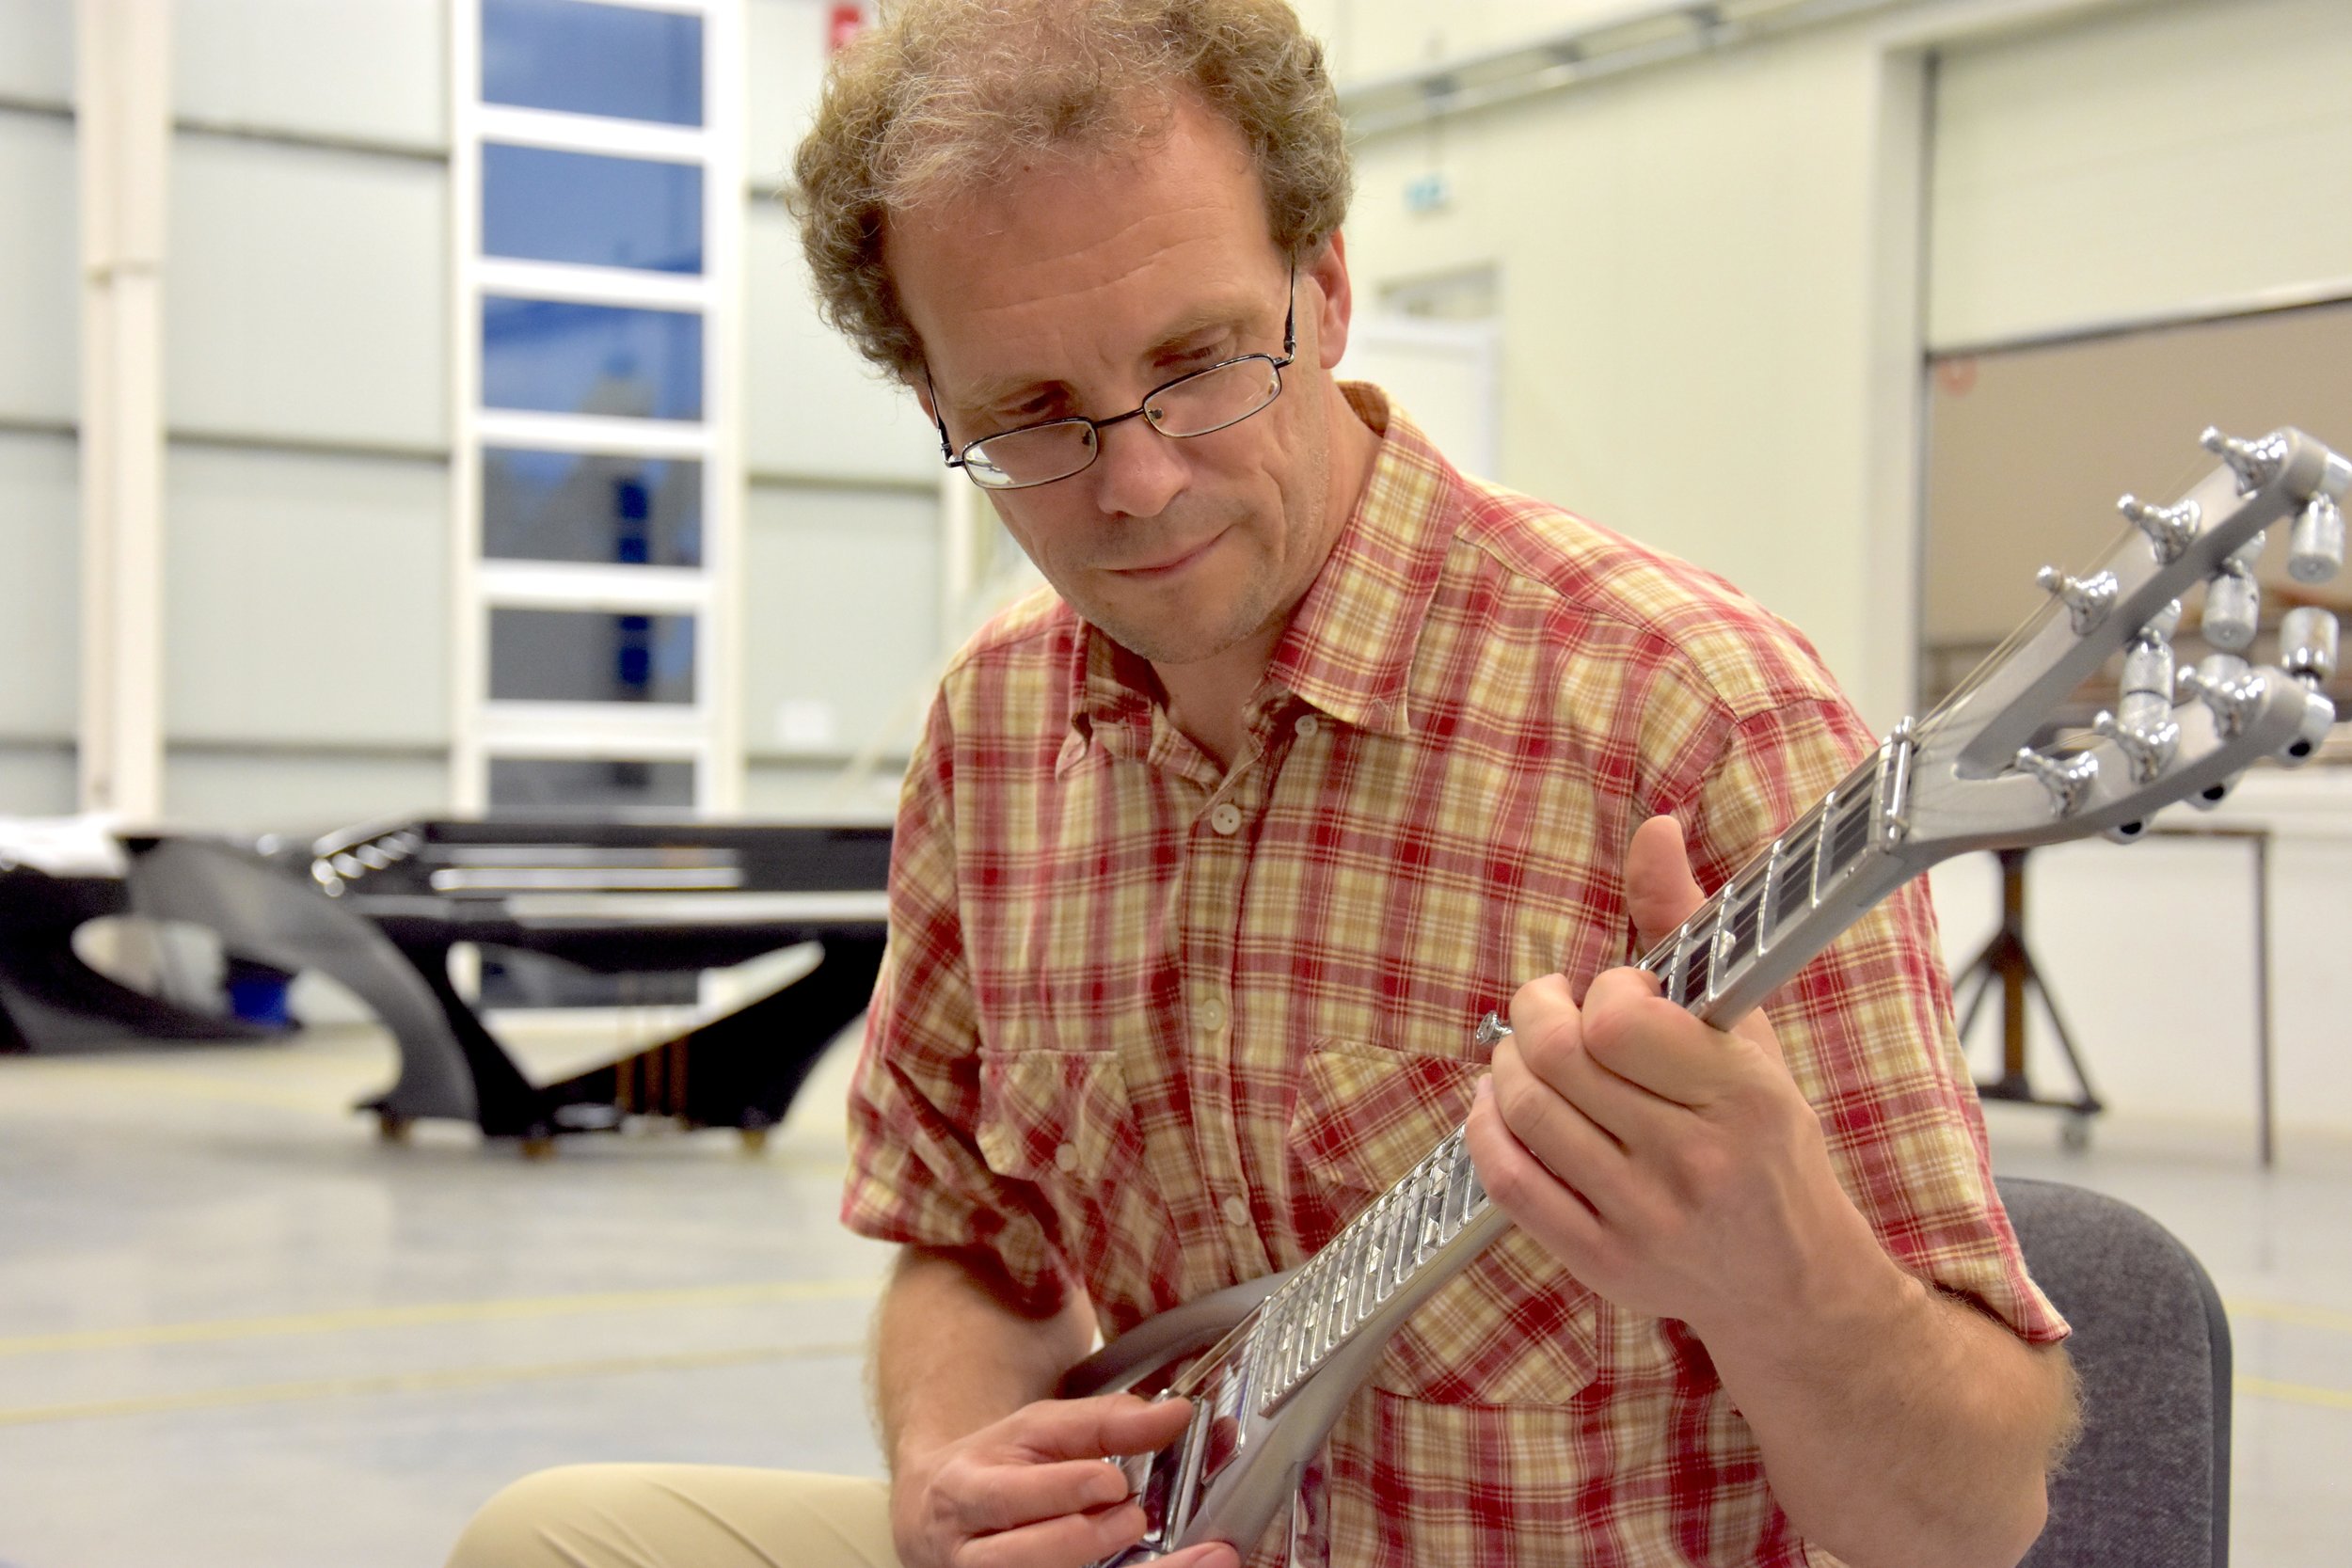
{"type": "Point", "coordinates": [1150, 1030]}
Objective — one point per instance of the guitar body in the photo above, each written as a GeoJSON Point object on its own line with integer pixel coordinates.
{"type": "Point", "coordinates": [1269, 1365]}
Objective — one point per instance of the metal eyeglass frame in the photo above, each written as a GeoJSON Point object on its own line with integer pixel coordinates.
{"type": "Point", "coordinates": [1290, 352]}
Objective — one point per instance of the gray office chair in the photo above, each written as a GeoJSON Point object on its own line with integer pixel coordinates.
{"type": "Point", "coordinates": [2149, 1484]}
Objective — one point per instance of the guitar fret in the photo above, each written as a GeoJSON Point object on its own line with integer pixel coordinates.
{"type": "Point", "coordinates": [1764, 896]}
{"type": "Point", "coordinates": [1400, 1244]}
{"type": "Point", "coordinates": [1821, 837]}
{"type": "Point", "coordinates": [1794, 891]}
{"type": "Point", "coordinates": [1349, 1247]}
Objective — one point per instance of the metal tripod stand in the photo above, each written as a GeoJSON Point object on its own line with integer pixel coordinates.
{"type": "Point", "coordinates": [2007, 959]}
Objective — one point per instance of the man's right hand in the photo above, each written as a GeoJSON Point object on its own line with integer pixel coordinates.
{"type": "Point", "coordinates": [1033, 1491]}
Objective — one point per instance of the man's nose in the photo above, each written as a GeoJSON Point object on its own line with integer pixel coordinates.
{"type": "Point", "coordinates": [1140, 471]}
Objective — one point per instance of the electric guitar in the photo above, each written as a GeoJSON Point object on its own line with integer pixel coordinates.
{"type": "Point", "coordinates": [1273, 1361]}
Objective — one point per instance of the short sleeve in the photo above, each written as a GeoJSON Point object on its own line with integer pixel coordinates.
{"type": "Point", "coordinates": [1867, 1028]}
{"type": "Point", "coordinates": [916, 1175]}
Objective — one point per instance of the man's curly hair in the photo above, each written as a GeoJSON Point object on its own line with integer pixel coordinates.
{"type": "Point", "coordinates": [945, 96]}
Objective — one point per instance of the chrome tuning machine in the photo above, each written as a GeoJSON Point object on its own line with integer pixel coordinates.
{"type": "Point", "coordinates": [2255, 463]}
{"type": "Point", "coordinates": [2087, 601]}
{"type": "Point", "coordinates": [2316, 546]}
{"type": "Point", "coordinates": [2307, 651]}
{"type": "Point", "coordinates": [2068, 778]}
{"type": "Point", "coordinates": [2142, 726]}
{"type": "Point", "coordinates": [2233, 600]}
{"type": "Point", "coordinates": [2168, 529]}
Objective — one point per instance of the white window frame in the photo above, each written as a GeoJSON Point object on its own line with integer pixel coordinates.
{"type": "Point", "coordinates": [708, 730]}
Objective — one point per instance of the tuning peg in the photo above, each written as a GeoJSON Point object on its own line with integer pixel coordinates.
{"type": "Point", "coordinates": [2231, 698]}
{"type": "Point", "coordinates": [2316, 547]}
{"type": "Point", "coordinates": [2147, 747]}
{"type": "Point", "coordinates": [2086, 602]}
{"type": "Point", "coordinates": [2169, 528]}
{"type": "Point", "coordinates": [2146, 700]}
{"type": "Point", "coordinates": [2307, 650]}
{"type": "Point", "coordinates": [2255, 463]}
{"type": "Point", "coordinates": [2068, 778]}
{"type": "Point", "coordinates": [2233, 600]}
{"type": "Point", "coordinates": [2306, 645]}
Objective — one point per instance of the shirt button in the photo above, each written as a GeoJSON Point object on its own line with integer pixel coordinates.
{"type": "Point", "coordinates": [1066, 1156]}
{"type": "Point", "coordinates": [1212, 1015]}
{"type": "Point", "coordinates": [1236, 1212]}
{"type": "Point", "coordinates": [1225, 817]}
{"type": "Point", "coordinates": [1309, 726]}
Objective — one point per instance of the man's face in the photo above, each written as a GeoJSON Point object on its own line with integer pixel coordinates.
{"type": "Point", "coordinates": [1075, 288]}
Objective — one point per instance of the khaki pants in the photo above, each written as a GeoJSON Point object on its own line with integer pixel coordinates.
{"type": "Point", "coordinates": [680, 1516]}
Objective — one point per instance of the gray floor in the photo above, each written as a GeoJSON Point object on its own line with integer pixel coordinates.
{"type": "Point", "coordinates": [236, 1330]}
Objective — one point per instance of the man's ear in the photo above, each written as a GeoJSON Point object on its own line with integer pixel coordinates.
{"type": "Point", "coordinates": [1328, 269]}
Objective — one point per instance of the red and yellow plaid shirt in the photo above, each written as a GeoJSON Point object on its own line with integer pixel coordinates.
{"type": "Point", "coordinates": [1148, 1030]}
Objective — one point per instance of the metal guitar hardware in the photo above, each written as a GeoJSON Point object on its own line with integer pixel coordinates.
{"type": "Point", "coordinates": [2315, 548]}
{"type": "Point", "coordinates": [2230, 702]}
{"type": "Point", "coordinates": [2068, 778]}
{"type": "Point", "coordinates": [2255, 463]}
{"type": "Point", "coordinates": [2168, 529]}
{"type": "Point", "coordinates": [2086, 602]}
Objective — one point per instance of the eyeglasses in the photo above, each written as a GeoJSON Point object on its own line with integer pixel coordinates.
{"type": "Point", "coordinates": [1199, 403]}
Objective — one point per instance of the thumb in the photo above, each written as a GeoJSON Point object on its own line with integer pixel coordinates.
{"type": "Point", "coordinates": [1659, 891]}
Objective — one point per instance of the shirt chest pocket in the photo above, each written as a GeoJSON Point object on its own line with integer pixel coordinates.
{"type": "Point", "coordinates": [1060, 1122]}
{"type": "Point", "coordinates": [1513, 1327]}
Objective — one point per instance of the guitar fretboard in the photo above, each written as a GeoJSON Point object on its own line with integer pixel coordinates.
{"type": "Point", "coordinates": [1776, 911]}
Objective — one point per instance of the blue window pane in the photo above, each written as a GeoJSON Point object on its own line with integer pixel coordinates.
{"type": "Point", "coordinates": [556, 358]}
{"type": "Point", "coordinates": [578, 656]}
{"type": "Point", "coordinates": [544, 206]}
{"type": "Point", "coordinates": [569, 506]}
{"type": "Point", "coordinates": [590, 59]}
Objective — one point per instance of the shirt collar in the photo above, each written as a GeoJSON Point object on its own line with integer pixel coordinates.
{"type": "Point", "coordinates": [1349, 647]}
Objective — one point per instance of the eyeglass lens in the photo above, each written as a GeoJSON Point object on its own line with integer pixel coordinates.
{"type": "Point", "coordinates": [1195, 405]}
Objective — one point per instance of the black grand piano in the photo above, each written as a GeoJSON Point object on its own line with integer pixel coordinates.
{"type": "Point", "coordinates": [380, 908]}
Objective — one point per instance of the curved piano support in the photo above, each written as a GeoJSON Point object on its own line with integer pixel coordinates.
{"type": "Point", "coordinates": [260, 911]}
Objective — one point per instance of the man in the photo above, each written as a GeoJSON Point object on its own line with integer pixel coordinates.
{"type": "Point", "coordinates": [1210, 860]}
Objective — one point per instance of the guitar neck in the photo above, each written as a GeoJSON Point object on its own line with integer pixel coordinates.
{"type": "Point", "coordinates": [1773, 915]}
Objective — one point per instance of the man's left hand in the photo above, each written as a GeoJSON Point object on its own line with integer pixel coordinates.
{"type": "Point", "coordinates": [1676, 1169]}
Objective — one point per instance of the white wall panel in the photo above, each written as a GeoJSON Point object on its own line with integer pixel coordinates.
{"type": "Point", "coordinates": [307, 293]}
{"type": "Point", "coordinates": [36, 781]}
{"type": "Point", "coordinates": [306, 598]}
{"type": "Point", "coordinates": [1692, 304]}
{"type": "Point", "coordinates": [1380, 38]}
{"type": "Point", "coordinates": [773, 787]}
{"type": "Point", "coordinates": [37, 50]}
{"type": "Point", "coordinates": [811, 407]}
{"type": "Point", "coordinates": [368, 69]}
{"type": "Point", "coordinates": [39, 251]}
{"type": "Point", "coordinates": [39, 587]}
{"type": "Point", "coordinates": [294, 792]}
{"type": "Point", "coordinates": [785, 42]}
{"type": "Point", "coordinates": [2161, 1037]}
{"type": "Point", "coordinates": [840, 618]}
{"type": "Point", "coordinates": [2167, 159]}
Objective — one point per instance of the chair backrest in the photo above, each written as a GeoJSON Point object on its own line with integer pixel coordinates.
{"type": "Point", "coordinates": [2149, 1484]}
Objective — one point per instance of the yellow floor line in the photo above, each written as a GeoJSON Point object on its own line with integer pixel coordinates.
{"type": "Point", "coordinates": [413, 1383]}
{"type": "Point", "coordinates": [2295, 1393]}
{"type": "Point", "coordinates": [2291, 1312]}
{"type": "Point", "coordinates": [426, 1314]}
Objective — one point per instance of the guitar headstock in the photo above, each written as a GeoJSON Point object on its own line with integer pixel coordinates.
{"type": "Point", "coordinates": [2173, 734]}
